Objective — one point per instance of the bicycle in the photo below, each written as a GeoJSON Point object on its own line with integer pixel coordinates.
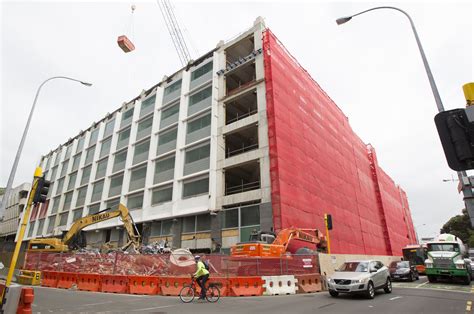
{"type": "Point", "coordinates": [188, 292]}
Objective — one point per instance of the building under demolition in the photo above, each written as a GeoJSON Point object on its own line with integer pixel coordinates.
{"type": "Point", "coordinates": [241, 139]}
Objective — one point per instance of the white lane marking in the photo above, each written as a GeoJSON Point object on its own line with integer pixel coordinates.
{"type": "Point", "coordinates": [152, 308]}
{"type": "Point", "coordinates": [394, 298]}
{"type": "Point", "coordinates": [100, 303]}
{"type": "Point", "coordinates": [422, 284]}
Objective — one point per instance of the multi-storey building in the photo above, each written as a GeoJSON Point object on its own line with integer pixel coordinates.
{"type": "Point", "coordinates": [241, 139]}
{"type": "Point", "coordinates": [14, 207]}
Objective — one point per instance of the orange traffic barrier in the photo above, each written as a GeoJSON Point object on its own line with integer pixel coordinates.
{"type": "Point", "coordinates": [245, 286]}
{"type": "Point", "coordinates": [66, 280]}
{"type": "Point", "coordinates": [50, 279]}
{"type": "Point", "coordinates": [222, 283]}
{"type": "Point", "coordinates": [144, 285]}
{"type": "Point", "coordinates": [88, 282]}
{"type": "Point", "coordinates": [114, 283]}
{"type": "Point", "coordinates": [309, 283]}
{"type": "Point", "coordinates": [26, 299]}
{"type": "Point", "coordinates": [173, 285]}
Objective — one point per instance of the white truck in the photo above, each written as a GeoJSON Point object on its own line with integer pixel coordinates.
{"type": "Point", "coordinates": [446, 259]}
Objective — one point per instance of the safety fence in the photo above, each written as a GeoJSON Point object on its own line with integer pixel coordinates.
{"type": "Point", "coordinates": [166, 274]}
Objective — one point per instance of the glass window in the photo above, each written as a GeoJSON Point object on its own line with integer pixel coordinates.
{"type": "Point", "coordinates": [170, 111]}
{"type": "Point", "coordinates": [89, 155]}
{"type": "Point", "coordinates": [86, 173]}
{"type": "Point", "coordinates": [167, 137]}
{"type": "Point", "coordinates": [230, 218]}
{"type": "Point", "coordinates": [147, 105]}
{"type": "Point", "coordinates": [80, 144]}
{"type": "Point", "coordinates": [53, 173]}
{"type": "Point", "coordinates": [113, 204]}
{"type": "Point", "coordinates": [63, 219]}
{"type": "Point", "coordinates": [64, 168]}
{"type": "Point", "coordinates": [48, 163]}
{"type": "Point", "coordinates": [59, 188]}
{"type": "Point", "coordinates": [201, 71]}
{"type": "Point", "coordinates": [196, 187]}
{"type": "Point", "coordinates": [162, 195]}
{"type": "Point", "coordinates": [141, 152]}
{"type": "Point", "coordinates": [77, 214]}
{"type": "Point", "coordinates": [81, 196]}
{"type": "Point", "coordinates": [200, 96]}
{"type": "Point", "coordinates": [161, 228]}
{"type": "Point", "coordinates": [72, 181]}
{"type": "Point", "coordinates": [162, 166]}
{"type": "Point", "coordinates": [197, 154]}
{"type": "Point", "coordinates": [40, 227]}
{"type": "Point", "coordinates": [109, 128]}
{"type": "Point", "coordinates": [199, 124]}
{"type": "Point", "coordinates": [30, 229]}
{"type": "Point", "coordinates": [123, 138]}
{"type": "Point", "coordinates": [127, 117]}
{"type": "Point", "coordinates": [135, 201]}
{"type": "Point", "coordinates": [189, 224]}
{"type": "Point", "coordinates": [50, 191]}
{"type": "Point", "coordinates": [94, 136]}
{"type": "Point", "coordinates": [119, 161]}
{"type": "Point", "coordinates": [137, 179]}
{"type": "Point", "coordinates": [56, 202]}
{"type": "Point", "coordinates": [101, 168]}
{"type": "Point", "coordinates": [155, 228]}
{"type": "Point", "coordinates": [94, 209]}
{"type": "Point", "coordinates": [116, 185]}
{"type": "Point", "coordinates": [76, 161]}
{"type": "Point", "coordinates": [67, 201]}
{"type": "Point", "coordinates": [203, 222]}
{"type": "Point", "coordinates": [68, 152]}
{"type": "Point", "coordinates": [144, 128]}
{"type": "Point", "coordinates": [97, 191]}
{"type": "Point", "coordinates": [173, 87]}
{"type": "Point", "coordinates": [105, 148]}
{"type": "Point", "coordinates": [250, 216]}
{"type": "Point", "coordinates": [51, 221]}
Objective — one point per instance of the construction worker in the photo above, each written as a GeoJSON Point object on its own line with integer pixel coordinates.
{"type": "Point", "coordinates": [201, 275]}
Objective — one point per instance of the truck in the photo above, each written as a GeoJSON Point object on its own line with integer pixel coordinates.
{"type": "Point", "coordinates": [416, 254]}
{"type": "Point", "coordinates": [446, 259]}
{"type": "Point", "coordinates": [71, 239]}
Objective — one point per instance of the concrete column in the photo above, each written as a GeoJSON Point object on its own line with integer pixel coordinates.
{"type": "Point", "coordinates": [216, 234]}
{"type": "Point", "coordinates": [176, 233]}
{"type": "Point", "coordinates": [266, 217]}
{"type": "Point", "coordinates": [146, 231]}
{"type": "Point", "coordinates": [121, 237]}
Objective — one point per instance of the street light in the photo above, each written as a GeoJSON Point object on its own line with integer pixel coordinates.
{"type": "Point", "coordinates": [22, 142]}
{"type": "Point", "coordinates": [466, 188]}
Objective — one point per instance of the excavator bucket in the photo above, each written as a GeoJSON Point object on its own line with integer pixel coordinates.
{"type": "Point", "coordinates": [125, 44]}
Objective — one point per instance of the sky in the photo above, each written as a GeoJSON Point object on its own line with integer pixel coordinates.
{"type": "Point", "coordinates": [370, 67]}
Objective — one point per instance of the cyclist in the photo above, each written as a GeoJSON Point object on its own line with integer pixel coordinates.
{"type": "Point", "coordinates": [201, 275]}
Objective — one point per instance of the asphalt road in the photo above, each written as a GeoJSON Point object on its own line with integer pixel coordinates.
{"type": "Point", "coordinates": [401, 300]}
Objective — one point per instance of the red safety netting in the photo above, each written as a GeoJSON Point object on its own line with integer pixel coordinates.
{"type": "Point", "coordinates": [319, 165]}
{"type": "Point", "coordinates": [117, 263]}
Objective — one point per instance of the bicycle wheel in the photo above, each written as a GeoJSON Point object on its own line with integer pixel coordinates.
{"type": "Point", "coordinates": [186, 294]}
{"type": "Point", "coordinates": [213, 294]}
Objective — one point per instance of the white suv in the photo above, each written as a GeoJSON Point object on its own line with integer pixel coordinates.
{"type": "Point", "coordinates": [362, 277]}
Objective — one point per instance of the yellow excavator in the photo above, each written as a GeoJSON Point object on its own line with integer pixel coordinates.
{"type": "Point", "coordinates": [69, 240]}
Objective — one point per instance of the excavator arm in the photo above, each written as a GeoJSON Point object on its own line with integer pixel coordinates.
{"type": "Point", "coordinates": [134, 238]}
{"type": "Point", "coordinates": [285, 236]}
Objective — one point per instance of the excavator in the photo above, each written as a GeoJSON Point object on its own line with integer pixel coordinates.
{"type": "Point", "coordinates": [69, 241]}
{"type": "Point", "coordinates": [269, 245]}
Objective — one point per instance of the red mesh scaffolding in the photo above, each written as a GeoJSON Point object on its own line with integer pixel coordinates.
{"type": "Point", "coordinates": [117, 263]}
{"type": "Point", "coordinates": [319, 165]}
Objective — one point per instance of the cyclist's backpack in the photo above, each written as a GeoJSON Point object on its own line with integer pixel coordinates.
{"type": "Point", "coordinates": [206, 264]}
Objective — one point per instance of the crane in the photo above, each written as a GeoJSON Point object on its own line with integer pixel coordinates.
{"type": "Point", "coordinates": [175, 31]}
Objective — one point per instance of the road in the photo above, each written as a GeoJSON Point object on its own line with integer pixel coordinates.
{"type": "Point", "coordinates": [401, 300]}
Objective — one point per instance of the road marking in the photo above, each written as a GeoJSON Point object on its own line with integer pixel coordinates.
{"type": "Point", "coordinates": [422, 284]}
{"type": "Point", "coordinates": [100, 303]}
{"type": "Point", "coordinates": [153, 308]}
{"type": "Point", "coordinates": [394, 298]}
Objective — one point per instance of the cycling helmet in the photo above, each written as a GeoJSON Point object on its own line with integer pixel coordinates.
{"type": "Point", "coordinates": [197, 257]}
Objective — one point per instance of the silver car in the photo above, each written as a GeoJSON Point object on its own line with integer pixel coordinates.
{"type": "Point", "coordinates": [363, 277]}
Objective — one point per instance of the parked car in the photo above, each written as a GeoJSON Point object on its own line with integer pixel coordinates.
{"type": "Point", "coordinates": [360, 277]}
{"type": "Point", "coordinates": [403, 270]}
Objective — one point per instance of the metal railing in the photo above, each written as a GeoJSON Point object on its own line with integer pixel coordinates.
{"type": "Point", "coordinates": [240, 117]}
{"type": "Point", "coordinates": [238, 151]}
{"type": "Point", "coordinates": [243, 187]}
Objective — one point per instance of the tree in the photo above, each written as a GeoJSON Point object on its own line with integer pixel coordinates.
{"type": "Point", "coordinates": [460, 226]}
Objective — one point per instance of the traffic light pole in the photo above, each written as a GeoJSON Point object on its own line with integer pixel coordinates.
{"type": "Point", "coordinates": [21, 233]}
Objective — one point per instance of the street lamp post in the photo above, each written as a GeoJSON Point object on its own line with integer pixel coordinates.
{"type": "Point", "coordinates": [22, 142]}
{"type": "Point", "coordinates": [466, 186]}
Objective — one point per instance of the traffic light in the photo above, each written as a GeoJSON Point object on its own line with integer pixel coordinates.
{"type": "Point", "coordinates": [328, 219]}
{"type": "Point", "coordinates": [41, 190]}
{"type": "Point", "coordinates": [456, 131]}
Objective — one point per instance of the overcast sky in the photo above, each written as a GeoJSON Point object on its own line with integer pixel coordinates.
{"type": "Point", "coordinates": [370, 67]}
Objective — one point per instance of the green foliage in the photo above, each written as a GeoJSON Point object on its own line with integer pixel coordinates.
{"type": "Point", "coordinates": [2, 191]}
{"type": "Point", "coordinates": [460, 226]}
